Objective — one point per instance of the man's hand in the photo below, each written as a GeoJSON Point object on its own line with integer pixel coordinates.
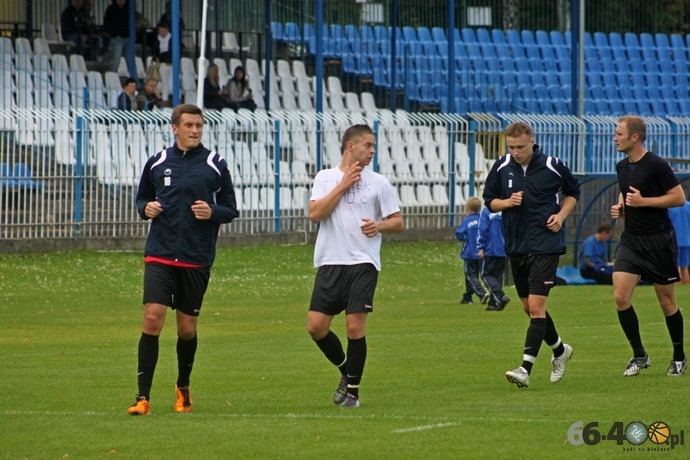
{"type": "Point", "coordinates": [633, 198]}
{"type": "Point", "coordinates": [202, 210]}
{"type": "Point", "coordinates": [152, 209]}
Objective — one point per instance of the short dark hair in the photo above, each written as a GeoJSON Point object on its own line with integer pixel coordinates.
{"type": "Point", "coordinates": [605, 227]}
{"type": "Point", "coordinates": [128, 81]}
{"type": "Point", "coordinates": [185, 108]}
{"type": "Point", "coordinates": [354, 132]}
{"type": "Point", "coordinates": [634, 125]}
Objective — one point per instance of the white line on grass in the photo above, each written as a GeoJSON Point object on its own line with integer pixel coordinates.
{"type": "Point", "coordinates": [441, 421]}
{"type": "Point", "coordinates": [424, 427]}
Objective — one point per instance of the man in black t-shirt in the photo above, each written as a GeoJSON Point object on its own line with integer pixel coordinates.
{"type": "Point", "coordinates": [648, 187]}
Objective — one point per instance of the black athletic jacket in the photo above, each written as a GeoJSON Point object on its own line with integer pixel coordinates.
{"type": "Point", "coordinates": [525, 226]}
{"type": "Point", "coordinates": [177, 179]}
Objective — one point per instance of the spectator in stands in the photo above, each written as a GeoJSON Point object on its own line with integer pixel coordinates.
{"type": "Point", "coordinates": [149, 98]}
{"type": "Point", "coordinates": [97, 37]}
{"type": "Point", "coordinates": [536, 193]}
{"type": "Point", "coordinates": [467, 233]}
{"type": "Point", "coordinates": [238, 92]}
{"type": "Point", "coordinates": [163, 51]}
{"type": "Point", "coordinates": [648, 187]}
{"type": "Point", "coordinates": [492, 254]}
{"type": "Point", "coordinates": [214, 95]}
{"type": "Point", "coordinates": [166, 20]}
{"type": "Point", "coordinates": [74, 29]}
{"type": "Point", "coordinates": [127, 98]}
{"type": "Point", "coordinates": [116, 24]}
{"type": "Point", "coordinates": [594, 260]}
{"type": "Point", "coordinates": [680, 218]}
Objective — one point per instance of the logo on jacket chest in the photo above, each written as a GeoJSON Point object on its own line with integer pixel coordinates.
{"type": "Point", "coordinates": [167, 179]}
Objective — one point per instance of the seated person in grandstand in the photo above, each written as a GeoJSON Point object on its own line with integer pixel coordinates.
{"type": "Point", "coordinates": [126, 100]}
{"type": "Point", "coordinates": [163, 51]}
{"type": "Point", "coordinates": [239, 94]}
{"type": "Point", "coordinates": [594, 260]}
{"type": "Point", "coordinates": [214, 95]}
{"type": "Point", "coordinates": [166, 20]}
{"type": "Point", "coordinates": [150, 97]}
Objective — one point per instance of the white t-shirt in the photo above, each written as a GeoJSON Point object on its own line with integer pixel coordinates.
{"type": "Point", "coordinates": [340, 240]}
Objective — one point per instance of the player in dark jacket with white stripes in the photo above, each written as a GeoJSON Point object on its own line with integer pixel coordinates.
{"type": "Point", "coordinates": [526, 186]}
{"type": "Point", "coordinates": [186, 191]}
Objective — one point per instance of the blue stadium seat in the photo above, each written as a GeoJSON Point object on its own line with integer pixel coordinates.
{"type": "Point", "coordinates": [647, 41]}
{"type": "Point", "coordinates": [439, 35]}
{"type": "Point", "coordinates": [424, 35]}
{"type": "Point", "coordinates": [611, 91]}
{"type": "Point", "coordinates": [277, 31]}
{"type": "Point", "coordinates": [564, 64]}
{"type": "Point", "coordinates": [571, 276]}
{"type": "Point", "coordinates": [560, 107]}
{"type": "Point", "coordinates": [382, 33]}
{"type": "Point", "coordinates": [684, 106]}
{"type": "Point", "coordinates": [678, 44]}
{"type": "Point", "coordinates": [616, 107]}
{"type": "Point", "coordinates": [555, 92]}
{"type": "Point", "coordinates": [548, 53]}
{"type": "Point", "coordinates": [409, 34]}
{"type": "Point", "coordinates": [483, 35]}
{"type": "Point", "coordinates": [551, 77]}
{"type": "Point", "coordinates": [508, 64]}
{"type": "Point", "coordinates": [644, 108]}
{"type": "Point", "coordinates": [513, 37]}
{"type": "Point", "coordinates": [557, 39]}
{"type": "Point", "coordinates": [366, 33]}
{"type": "Point", "coordinates": [527, 38]}
{"type": "Point", "coordinates": [616, 40]}
{"type": "Point", "coordinates": [508, 78]}
{"type": "Point", "coordinates": [350, 32]}
{"type": "Point", "coordinates": [456, 35]}
{"type": "Point", "coordinates": [498, 37]}
{"type": "Point", "coordinates": [672, 107]}
{"type": "Point", "coordinates": [502, 50]}
{"type": "Point", "coordinates": [308, 31]}
{"type": "Point", "coordinates": [468, 35]}
{"type": "Point", "coordinates": [542, 38]}
{"type": "Point", "coordinates": [291, 33]}
{"type": "Point", "coordinates": [488, 50]}
{"type": "Point", "coordinates": [532, 51]}
{"type": "Point", "coordinates": [632, 45]}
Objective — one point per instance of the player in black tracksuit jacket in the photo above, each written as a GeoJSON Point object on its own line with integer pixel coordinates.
{"type": "Point", "coordinates": [542, 182]}
{"type": "Point", "coordinates": [186, 191]}
{"type": "Point", "coordinates": [198, 174]}
{"type": "Point", "coordinates": [526, 186]}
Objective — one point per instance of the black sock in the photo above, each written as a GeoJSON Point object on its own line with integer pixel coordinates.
{"type": "Point", "coordinates": [186, 350]}
{"type": "Point", "coordinates": [148, 358]}
{"type": "Point", "coordinates": [551, 337]}
{"type": "Point", "coordinates": [333, 350]}
{"type": "Point", "coordinates": [674, 323]}
{"type": "Point", "coordinates": [631, 327]}
{"type": "Point", "coordinates": [356, 356]}
{"type": "Point", "coordinates": [535, 335]}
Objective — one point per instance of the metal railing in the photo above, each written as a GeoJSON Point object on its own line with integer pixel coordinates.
{"type": "Point", "coordinates": [74, 174]}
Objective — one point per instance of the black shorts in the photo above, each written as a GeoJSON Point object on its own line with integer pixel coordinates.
{"type": "Point", "coordinates": [179, 288]}
{"type": "Point", "coordinates": [534, 274]}
{"type": "Point", "coordinates": [344, 287]}
{"type": "Point", "coordinates": [651, 256]}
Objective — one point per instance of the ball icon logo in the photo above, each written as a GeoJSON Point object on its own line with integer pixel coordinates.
{"type": "Point", "coordinates": [636, 433]}
{"type": "Point", "coordinates": [658, 432]}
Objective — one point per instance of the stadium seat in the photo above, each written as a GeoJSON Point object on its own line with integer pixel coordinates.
{"type": "Point", "coordinates": [570, 275]}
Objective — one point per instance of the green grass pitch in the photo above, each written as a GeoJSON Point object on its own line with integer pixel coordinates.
{"type": "Point", "coordinates": [433, 386]}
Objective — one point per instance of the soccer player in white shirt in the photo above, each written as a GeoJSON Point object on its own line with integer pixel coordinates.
{"type": "Point", "coordinates": [354, 206]}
